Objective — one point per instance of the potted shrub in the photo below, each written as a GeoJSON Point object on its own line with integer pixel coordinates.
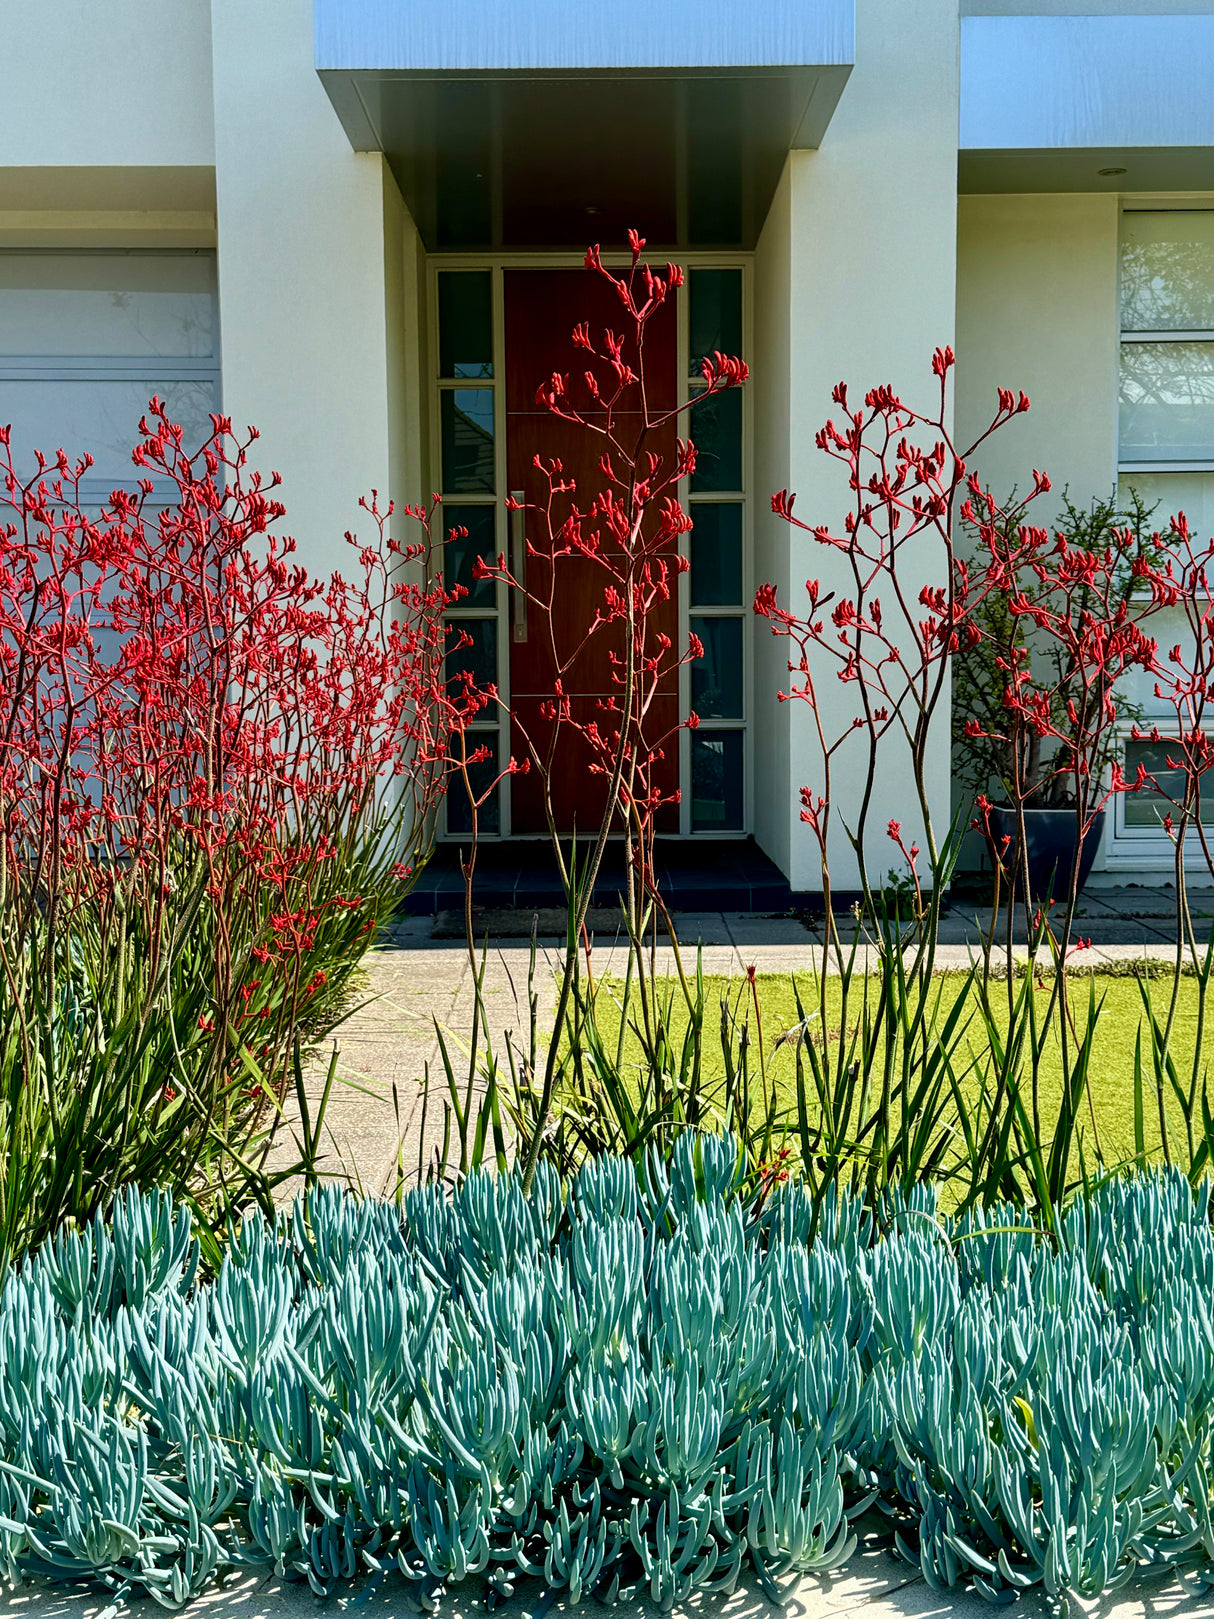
{"type": "Point", "coordinates": [1034, 704]}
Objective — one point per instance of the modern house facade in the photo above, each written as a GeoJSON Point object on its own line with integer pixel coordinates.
{"type": "Point", "coordinates": [346, 220]}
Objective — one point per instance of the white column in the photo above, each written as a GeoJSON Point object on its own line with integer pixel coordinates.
{"type": "Point", "coordinates": [868, 223]}
{"type": "Point", "coordinates": [311, 240]}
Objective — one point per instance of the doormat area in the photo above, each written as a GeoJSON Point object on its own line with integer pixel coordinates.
{"type": "Point", "coordinates": [693, 875]}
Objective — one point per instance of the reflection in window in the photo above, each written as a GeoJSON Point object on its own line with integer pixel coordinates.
{"type": "Point", "coordinates": [716, 781]}
{"type": "Point", "coordinates": [459, 554]}
{"type": "Point", "coordinates": [1167, 402]}
{"type": "Point", "coordinates": [100, 417]}
{"type": "Point", "coordinates": [715, 316]}
{"type": "Point", "coordinates": [1167, 492]}
{"type": "Point", "coordinates": [1167, 270]}
{"type": "Point", "coordinates": [120, 306]}
{"type": "Point", "coordinates": [716, 430]}
{"type": "Point", "coordinates": [86, 339]}
{"type": "Point", "coordinates": [467, 433]}
{"type": "Point", "coordinates": [1148, 806]}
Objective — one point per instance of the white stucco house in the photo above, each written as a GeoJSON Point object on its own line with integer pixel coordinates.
{"type": "Point", "coordinates": [332, 219]}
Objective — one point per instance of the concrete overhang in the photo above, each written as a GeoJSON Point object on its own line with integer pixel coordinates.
{"type": "Point", "coordinates": [541, 123]}
{"type": "Point", "coordinates": [1048, 102]}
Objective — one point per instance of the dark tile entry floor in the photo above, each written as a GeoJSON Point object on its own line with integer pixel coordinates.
{"type": "Point", "coordinates": [702, 875]}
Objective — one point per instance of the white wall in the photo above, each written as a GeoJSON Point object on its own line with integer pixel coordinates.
{"type": "Point", "coordinates": [1037, 309]}
{"type": "Point", "coordinates": [870, 232]}
{"type": "Point", "coordinates": [109, 84]}
{"type": "Point", "coordinates": [311, 241]}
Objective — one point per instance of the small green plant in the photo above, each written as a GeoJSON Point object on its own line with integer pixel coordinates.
{"type": "Point", "coordinates": [986, 757]}
{"type": "Point", "coordinates": [897, 897]}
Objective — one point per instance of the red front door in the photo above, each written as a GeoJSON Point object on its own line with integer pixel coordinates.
{"type": "Point", "coordinates": [542, 307]}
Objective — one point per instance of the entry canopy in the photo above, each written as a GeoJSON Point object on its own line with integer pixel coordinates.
{"type": "Point", "coordinates": [544, 123]}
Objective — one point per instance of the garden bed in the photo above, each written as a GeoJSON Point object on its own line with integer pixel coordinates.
{"type": "Point", "coordinates": [640, 1386]}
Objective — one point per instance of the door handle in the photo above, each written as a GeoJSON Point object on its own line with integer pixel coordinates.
{"type": "Point", "coordinates": [518, 564]}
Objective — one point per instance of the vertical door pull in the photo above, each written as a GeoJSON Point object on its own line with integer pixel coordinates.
{"type": "Point", "coordinates": [518, 564]}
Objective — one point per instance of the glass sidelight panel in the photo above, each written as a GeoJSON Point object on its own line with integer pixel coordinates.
{"type": "Point", "coordinates": [716, 431]}
{"type": "Point", "coordinates": [467, 433]}
{"type": "Point", "coordinates": [472, 649]}
{"type": "Point", "coordinates": [716, 554]}
{"type": "Point", "coordinates": [459, 554]}
{"type": "Point", "coordinates": [715, 318]}
{"type": "Point", "coordinates": [459, 808]}
{"type": "Point", "coordinates": [465, 323]}
{"type": "Point", "coordinates": [716, 678]}
{"type": "Point", "coordinates": [717, 794]}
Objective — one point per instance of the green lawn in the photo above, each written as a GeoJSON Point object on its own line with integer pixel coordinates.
{"type": "Point", "coordinates": [1121, 1017]}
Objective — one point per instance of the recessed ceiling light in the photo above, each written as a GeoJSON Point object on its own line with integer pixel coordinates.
{"type": "Point", "coordinates": [1110, 171]}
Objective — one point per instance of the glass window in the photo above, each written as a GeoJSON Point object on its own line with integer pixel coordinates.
{"type": "Point", "coordinates": [715, 316]}
{"type": "Point", "coordinates": [101, 417]}
{"type": "Point", "coordinates": [716, 678]}
{"type": "Point", "coordinates": [716, 781]}
{"type": "Point", "coordinates": [716, 554]}
{"type": "Point", "coordinates": [86, 339]}
{"type": "Point", "coordinates": [1167, 402]}
{"type": "Point", "coordinates": [1147, 807]}
{"type": "Point", "coordinates": [1168, 492]}
{"type": "Point", "coordinates": [472, 649]}
{"type": "Point", "coordinates": [716, 431]}
{"type": "Point", "coordinates": [467, 433]}
{"type": "Point", "coordinates": [1167, 270]}
{"type": "Point", "coordinates": [127, 306]}
{"type": "Point", "coordinates": [459, 809]}
{"type": "Point", "coordinates": [459, 554]}
{"type": "Point", "coordinates": [465, 323]}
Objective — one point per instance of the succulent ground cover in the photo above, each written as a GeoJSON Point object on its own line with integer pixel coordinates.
{"type": "Point", "coordinates": [646, 1379]}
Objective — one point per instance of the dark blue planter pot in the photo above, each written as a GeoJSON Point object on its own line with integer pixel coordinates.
{"type": "Point", "coordinates": [1050, 834]}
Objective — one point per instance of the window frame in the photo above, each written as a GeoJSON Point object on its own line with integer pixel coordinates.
{"type": "Point", "coordinates": [1134, 335]}
{"type": "Point", "coordinates": [1137, 849]}
{"type": "Point", "coordinates": [745, 498]}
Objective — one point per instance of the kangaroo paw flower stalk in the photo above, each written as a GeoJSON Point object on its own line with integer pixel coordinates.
{"type": "Point", "coordinates": [626, 527]}
{"type": "Point", "coordinates": [218, 775]}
